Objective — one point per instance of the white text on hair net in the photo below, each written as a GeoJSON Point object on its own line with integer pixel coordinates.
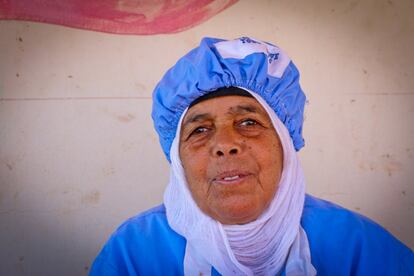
{"type": "Point", "coordinates": [277, 60]}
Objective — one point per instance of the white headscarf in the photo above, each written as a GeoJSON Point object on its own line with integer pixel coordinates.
{"type": "Point", "coordinates": [275, 240]}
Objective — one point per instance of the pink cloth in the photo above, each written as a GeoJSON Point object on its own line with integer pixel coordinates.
{"type": "Point", "coordinates": [141, 17]}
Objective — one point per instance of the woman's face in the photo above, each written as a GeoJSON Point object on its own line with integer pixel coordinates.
{"type": "Point", "coordinates": [232, 158]}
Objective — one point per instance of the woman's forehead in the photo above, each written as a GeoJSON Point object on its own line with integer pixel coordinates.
{"type": "Point", "coordinates": [224, 105]}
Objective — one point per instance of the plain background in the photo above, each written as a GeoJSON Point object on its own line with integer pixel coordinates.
{"type": "Point", "coordinates": [78, 153]}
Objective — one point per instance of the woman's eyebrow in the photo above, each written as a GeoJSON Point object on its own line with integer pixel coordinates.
{"type": "Point", "coordinates": [196, 118]}
{"type": "Point", "coordinates": [242, 109]}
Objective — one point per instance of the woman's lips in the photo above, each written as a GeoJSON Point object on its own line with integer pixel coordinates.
{"type": "Point", "coordinates": [230, 177]}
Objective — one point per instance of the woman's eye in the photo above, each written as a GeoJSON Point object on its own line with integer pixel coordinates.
{"type": "Point", "coordinates": [248, 122]}
{"type": "Point", "coordinates": [198, 130]}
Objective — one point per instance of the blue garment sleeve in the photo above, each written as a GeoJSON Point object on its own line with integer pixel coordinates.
{"type": "Point", "coordinates": [407, 264]}
{"type": "Point", "coordinates": [345, 243]}
{"type": "Point", "coordinates": [143, 245]}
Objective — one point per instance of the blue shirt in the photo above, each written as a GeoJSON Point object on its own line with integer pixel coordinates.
{"type": "Point", "coordinates": [341, 243]}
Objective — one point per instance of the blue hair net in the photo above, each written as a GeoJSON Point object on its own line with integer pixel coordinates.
{"type": "Point", "coordinates": [246, 63]}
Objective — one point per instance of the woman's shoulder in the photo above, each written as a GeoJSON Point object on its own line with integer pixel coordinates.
{"type": "Point", "coordinates": [141, 240]}
{"type": "Point", "coordinates": [339, 236]}
{"type": "Point", "coordinates": [156, 217]}
{"type": "Point", "coordinates": [323, 215]}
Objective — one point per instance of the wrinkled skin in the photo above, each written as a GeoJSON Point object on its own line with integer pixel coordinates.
{"type": "Point", "coordinates": [232, 158]}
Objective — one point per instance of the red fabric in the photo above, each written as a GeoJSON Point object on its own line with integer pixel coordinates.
{"type": "Point", "coordinates": [143, 17]}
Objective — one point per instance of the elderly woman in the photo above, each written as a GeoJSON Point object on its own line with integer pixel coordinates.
{"type": "Point", "coordinates": [229, 115]}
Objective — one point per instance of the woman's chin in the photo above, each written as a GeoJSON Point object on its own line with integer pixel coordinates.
{"type": "Point", "coordinates": [237, 214]}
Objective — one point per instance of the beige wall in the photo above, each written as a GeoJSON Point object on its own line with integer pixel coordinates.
{"type": "Point", "coordinates": [78, 153]}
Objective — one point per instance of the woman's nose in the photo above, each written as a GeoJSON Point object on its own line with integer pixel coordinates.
{"type": "Point", "coordinates": [226, 143]}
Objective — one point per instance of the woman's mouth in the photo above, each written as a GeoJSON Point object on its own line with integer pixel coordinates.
{"type": "Point", "coordinates": [230, 177]}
